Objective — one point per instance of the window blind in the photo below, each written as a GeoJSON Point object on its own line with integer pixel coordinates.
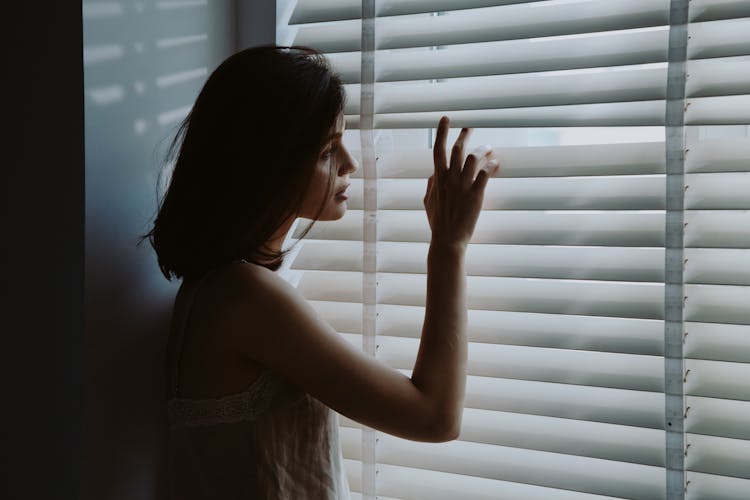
{"type": "Point", "coordinates": [717, 259]}
{"type": "Point", "coordinates": [565, 392]}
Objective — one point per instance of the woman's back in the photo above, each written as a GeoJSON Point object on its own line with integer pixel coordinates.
{"type": "Point", "coordinates": [208, 367]}
{"type": "Point", "coordinates": [264, 439]}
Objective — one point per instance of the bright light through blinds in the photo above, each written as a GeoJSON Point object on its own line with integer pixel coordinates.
{"type": "Point", "coordinates": [566, 269]}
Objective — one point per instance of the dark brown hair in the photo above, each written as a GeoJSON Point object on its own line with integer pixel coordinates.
{"type": "Point", "coordinates": [247, 152]}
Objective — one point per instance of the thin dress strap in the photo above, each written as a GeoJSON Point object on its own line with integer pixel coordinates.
{"type": "Point", "coordinates": [182, 328]}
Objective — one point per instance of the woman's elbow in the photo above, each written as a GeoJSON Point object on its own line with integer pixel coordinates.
{"type": "Point", "coordinates": [448, 431]}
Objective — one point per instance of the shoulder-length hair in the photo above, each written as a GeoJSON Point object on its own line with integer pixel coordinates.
{"type": "Point", "coordinates": [247, 152]}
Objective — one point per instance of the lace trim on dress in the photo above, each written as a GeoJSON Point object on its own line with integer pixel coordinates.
{"type": "Point", "coordinates": [245, 405]}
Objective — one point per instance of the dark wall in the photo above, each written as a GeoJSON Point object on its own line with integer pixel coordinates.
{"type": "Point", "coordinates": [91, 96]}
{"type": "Point", "coordinates": [144, 64]}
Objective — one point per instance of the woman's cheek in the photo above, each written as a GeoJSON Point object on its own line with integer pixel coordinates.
{"type": "Point", "coordinates": [318, 185]}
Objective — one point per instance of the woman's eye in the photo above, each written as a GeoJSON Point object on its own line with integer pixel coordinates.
{"type": "Point", "coordinates": [327, 154]}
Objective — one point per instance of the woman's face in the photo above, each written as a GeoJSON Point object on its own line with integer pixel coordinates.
{"type": "Point", "coordinates": [336, 157]}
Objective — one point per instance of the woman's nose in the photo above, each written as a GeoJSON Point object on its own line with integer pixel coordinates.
{"type": "Point", "coordinates": [350, 163]}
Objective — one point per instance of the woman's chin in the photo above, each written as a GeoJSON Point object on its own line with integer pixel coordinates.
{"type": "Point", "coordinates": [338, 211]}
{"type": "Point", "coordinates": [330, 213]}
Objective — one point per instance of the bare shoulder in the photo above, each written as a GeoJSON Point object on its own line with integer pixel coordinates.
{"type": "Point", "coordinates": [254, 302]}
{"type": "Point", "coordinates": [258, 297]}
{"type": "Point", "coordinates": [238, 285]}
{"type": "Point", "coordinates": [247, 285]}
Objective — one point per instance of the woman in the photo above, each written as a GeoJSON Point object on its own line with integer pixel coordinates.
{"type": "Point", "coordinates": [253, 372]}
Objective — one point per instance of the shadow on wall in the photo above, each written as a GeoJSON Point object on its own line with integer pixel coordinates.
{"type": "Point", "coordinates": [144, 64]}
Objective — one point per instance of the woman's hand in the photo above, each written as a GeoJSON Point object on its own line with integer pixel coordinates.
{"type": "Point", "coordinates": [455, 191]}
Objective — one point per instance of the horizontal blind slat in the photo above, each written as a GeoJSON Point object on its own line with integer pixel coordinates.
{"type": "Point", "coordinates": [583, 86]}
{"type": "Point", "coordinates": [590, 50]}
{"type": "Point", "coordinates": [718, 455]}
{"type": "Point", "coordinates": [558, 193]}
{"type": "Point", "coordinates": [618, 114]}
{"type": "Point", "coordinates": [710, 10]}
{"type": "Point", "coordinates": [561, 331]}
{"type": "Point", "coordinates": [565, 193]}
{"type": "Point", "coordinates": [314, 11]}
{"type": "Point", "coordinates": [717, 228]}
{"type": "Point", "coordinates": [718, 77]}
{"type": "Point", "coordinates": [610, 228]}
{"type": "Point", "coordinates": [717, 266]}
{"type": "Point", "coordinates": [437, 485]}
{"type": "Point", "coordinates": [568, 366]}
{"type": "Point", "coordinates": [579, 402]}
{"type": "Point", "coordinates": [717, 341]}
{"type": "Point", "coordinates": [717, 191]}
{"type": "Point", "coordinates": [522, 261]}
{"type": "Point", "coordinates": [640, 158]}
{"type": "Point", "coordinates": [718, 155]}
{"type": "Point", "coordinates": [402, 7]}
{"type": "Point", "coordinates": [553, 470]}
{"type": "Point", "coordinates": [721, 110]}
{"type": "Point", "coordinates": [605, 228]}
{"type": "Point", "coordinates": [595, 298]}
{"type": "Point", "coordinates": [703, 486]}
{"type": "Point", "coordinates": [717, 379]}
{"type": "Point", "coordinates": [719, 38]}
{"type": "Point", "coordinates": [717, 303]}
{"type": "Point", "coordinates": [718, 417]}
{"type": "Point", "coordinates": [620, 443]}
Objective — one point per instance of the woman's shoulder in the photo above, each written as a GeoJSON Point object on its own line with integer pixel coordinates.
{"type": "Point", "coordinates": [237, 277]}
{"type": "Point", "coordinates": [242, 280]}
{"type": "Point", "coordinates": [240, 288]}
{"type": "Point", "coordinates": [213, 298]}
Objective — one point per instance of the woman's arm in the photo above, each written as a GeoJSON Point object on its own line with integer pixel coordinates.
{"type": "Point", "coordinates": [272, 324]}
{"type": "Point", "coordinates": [440, 369]}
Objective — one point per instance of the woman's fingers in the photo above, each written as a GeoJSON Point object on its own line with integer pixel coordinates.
{"type": "Point", "coordinates": [429, 186]}
{"type": "Point", "coordinates": [484, 176]}
{"type": "Point", "coordinates": [474, 162]}
{"type": "Point", "coordinates": [493, 167]}
{"type": "Point", "coordinates": [457, 153]}
{"type": "Point", "coordinates": [438, 150]}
